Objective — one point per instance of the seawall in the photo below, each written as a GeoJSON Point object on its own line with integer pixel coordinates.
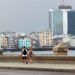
{"type": "Point", "coordinates": [41, 59]}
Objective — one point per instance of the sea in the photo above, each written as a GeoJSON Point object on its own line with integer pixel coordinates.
{"type": "Point", "coordinates": [39, 53]}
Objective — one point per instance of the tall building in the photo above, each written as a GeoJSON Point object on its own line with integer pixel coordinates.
{"type": "Point", "coordinates": [56, 21]}
{"type": "Point", "coordinates": [62, 20]}
{"type": "Point", "coordinates": [71, 22]}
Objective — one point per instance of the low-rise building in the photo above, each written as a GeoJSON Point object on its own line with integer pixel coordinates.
{"type": "Point", "coordinates": [3, 41]}
{"type": "Point", "coordinates": [45, 38]}
{"type": "Point", "coordinates": [42, 38]}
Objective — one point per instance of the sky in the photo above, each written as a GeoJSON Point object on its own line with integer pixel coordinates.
{"type": "Point", "coordinates": [27, 15]}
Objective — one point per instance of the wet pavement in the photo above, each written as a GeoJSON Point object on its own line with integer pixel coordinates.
{"type": "Point", "coordinates": [23, 72]}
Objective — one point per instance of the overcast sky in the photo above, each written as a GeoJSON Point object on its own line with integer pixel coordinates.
{"type": "Point", "coordinates": [27, 15]}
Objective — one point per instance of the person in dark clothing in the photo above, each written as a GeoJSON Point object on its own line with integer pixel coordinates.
{"type": "Point", "coordinates": [24, 55]}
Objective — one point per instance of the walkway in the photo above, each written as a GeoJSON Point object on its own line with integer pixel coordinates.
{"type": "Point", "coordinates": [38, 67]}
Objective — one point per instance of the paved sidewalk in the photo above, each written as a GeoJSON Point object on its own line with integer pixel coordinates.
{"type": "Point", "coordinates": [38, 66]}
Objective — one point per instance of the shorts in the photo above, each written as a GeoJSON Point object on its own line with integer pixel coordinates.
{"type": "Point", "coordinates": [24, 57]}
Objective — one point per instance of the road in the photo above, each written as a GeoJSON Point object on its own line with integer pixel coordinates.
{"type": "Point", "coordinates": [23, 72]}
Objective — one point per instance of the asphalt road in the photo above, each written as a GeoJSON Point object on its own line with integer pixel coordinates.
{"type": "Point", "coordinates": [23, 72]}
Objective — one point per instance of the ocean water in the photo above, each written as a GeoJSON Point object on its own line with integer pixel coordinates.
{"type": "Point", "coordinates": [70, 53]}
{"type": "Point", "coordinates": [38, 53]}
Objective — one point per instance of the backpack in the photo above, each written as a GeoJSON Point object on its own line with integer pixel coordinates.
{"type": "Point", "coordinates": [24, 52]}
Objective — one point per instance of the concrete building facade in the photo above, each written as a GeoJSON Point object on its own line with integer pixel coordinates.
{"type": "Point", "coordinates": [3, 41]}
{"type": "Point", "coordinates": [43, 38]}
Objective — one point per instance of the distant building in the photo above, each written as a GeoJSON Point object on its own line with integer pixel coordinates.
{"type": "Point", "coordinates": [34, 36]}
{"type": "Point", "coordinates": [9, 37]}
{"type": "Point", "coordinates": [17, 36]}
{"type": "Point", "coordinates": [3, 41]}
{"type": "Point", "coordinates": [56, 22]}
{"type": "Point", "coordinates": [71, 22]}
{"type": "Point", "coordinates": [62, 20]}
{"type": "Point", "coordinates": [11, 44]}
{"type": "Point", "coordinates": [72, 41]}
{"type": "Point", "coordinates": [43, 38]}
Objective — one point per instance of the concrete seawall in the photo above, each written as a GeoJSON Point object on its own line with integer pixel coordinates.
{"type": "Point", "coordinates": [42, 59]}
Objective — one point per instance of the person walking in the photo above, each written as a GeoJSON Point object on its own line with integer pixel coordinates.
{"type": "Point", "coordinates": [24, 55]}
{"type": "Point", "coordinates": [30, 54]}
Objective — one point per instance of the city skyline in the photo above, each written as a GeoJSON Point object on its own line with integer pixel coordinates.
{"type": "Point", "coordinates": [27, 15]}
